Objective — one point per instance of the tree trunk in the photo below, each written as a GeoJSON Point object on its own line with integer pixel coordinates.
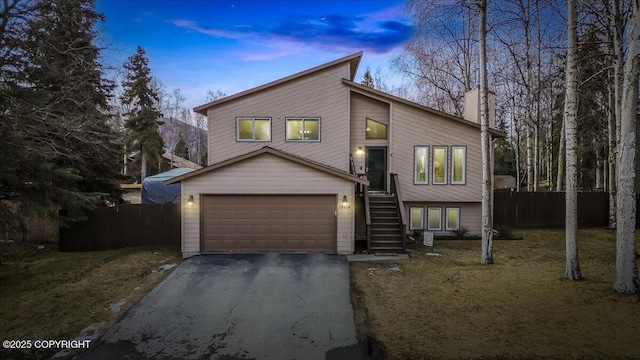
{"type": "Point", "coordinates": [485, 141]}
{"type": "Point", "coordinates": [611, 161]}
{"type": "Point", "coordinates": [530, 164]}
{"type": "Point", "coordinates": [518, 170]}
{"type": "Point", "coordinates": [143, 165]}
{"type": "Point", "coordinates": [572, 270]}
{"type": "Point", "coordinates": [536, 158]}
{"type": "Point", "coordinates": [561, 157]}
{"type": "Point", "coordinates": [626, 267]}
{"type": "Point", "coordinates": [599, 173]}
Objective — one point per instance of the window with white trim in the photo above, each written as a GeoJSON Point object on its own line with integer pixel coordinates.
{"type": "Point", "coordinates": [453, 218]}
{"type": "Point", "coordinates": [303, 129]}
{"type": "Point", "coordinates": [434, 218]}
{"type": "Point", "coordinates": [253, 129]}
{"type": "Point", "coordinates": [417, 218]}
{"type": "Point", "coordinates": [421, 165]}
{"type": "Point", "coordinates": [458, 165]}
{"type": "Point", "coordinates": [439, 165]}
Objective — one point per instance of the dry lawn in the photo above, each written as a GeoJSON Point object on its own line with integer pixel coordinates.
{"type": "Point", "coordinates": [46, 294]}
{"type": "Point", "coordinates": [521, 307]}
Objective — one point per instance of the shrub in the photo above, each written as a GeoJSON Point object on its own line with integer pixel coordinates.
{"type": "Point", "coordinates": [504, 231]}
{"type": "Point", "coordinates": [461, 231]}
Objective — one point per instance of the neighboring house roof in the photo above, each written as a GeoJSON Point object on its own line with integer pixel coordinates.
{"type": "Point", "coordinates": [130, 186]}
{"type": "Point", "coordinates": [154, 191]}
{"type": "Point", "coordinates": [354, 59]}
{"type": "Point", "coordinates": [365, 90]}
{"type": "Point", "coordinates": [279, 153]}
{"type": "Point", "coordinates": [181, 162]}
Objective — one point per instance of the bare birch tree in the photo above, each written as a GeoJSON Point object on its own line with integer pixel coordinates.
{"type": "Point", "coordinates": [439, 59]}
{"type": "Point", "coordinates": [626, 267]}
{"type": "Point", "coordinates": [485, 140]}
{"type": "Point", "coordinates": [572, 270]}
{"type": "Point", "coordinates": [615, 119]}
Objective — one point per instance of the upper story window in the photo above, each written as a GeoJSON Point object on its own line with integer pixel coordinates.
{"type": "Point", "coordinates": [376, 130]}
{"type": "Point", "coordinates": [458, 164]}
{"type": "Point", "coordinates": [439, 164]}
{"type": "Point", "coordinates": [421, 164]}
{"type": "Point", "coordinates": [303, 129]}
{"type": "Point", "coordinates": [253, 129]}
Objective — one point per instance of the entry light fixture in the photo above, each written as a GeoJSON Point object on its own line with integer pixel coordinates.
{"type": "Point", "coordinates": [360, 151]}
{"type": "Point", "coordinates": [345, 203]}
{"type": "Point", "coordinates": [190, 201]}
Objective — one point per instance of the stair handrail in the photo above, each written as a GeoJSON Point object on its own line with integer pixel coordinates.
{"type": "Point", "coordinates": [352, 165]}
{"type": "Point", "coordinates": [395, 189]}
{"type": "Point", "coordinates": [367, 215]}
{"type": "Point", "coordinates": [352, 169]}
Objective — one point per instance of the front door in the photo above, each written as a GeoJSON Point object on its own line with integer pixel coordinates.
{"type": "Point", "coordinates": [377, 167]}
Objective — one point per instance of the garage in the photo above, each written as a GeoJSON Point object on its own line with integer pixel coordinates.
{"type": "Point", "coordinates": [259, 223]}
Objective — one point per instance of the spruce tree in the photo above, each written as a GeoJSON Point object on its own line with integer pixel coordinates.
{"type": "Point", "coordinates": [64, 154]}
{"type": "Point", "coordinates": [367, 79]}
{"type": "Point", "coordinates": [182, 149]}
{"type": "Point", "coordinates": [142, 120]}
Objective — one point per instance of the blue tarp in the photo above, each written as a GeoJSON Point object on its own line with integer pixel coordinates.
{"type": "Point", "coordinates": [155, 192]}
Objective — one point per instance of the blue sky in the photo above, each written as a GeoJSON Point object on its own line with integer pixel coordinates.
{"type": "Point", "coordinates": [232, 46]}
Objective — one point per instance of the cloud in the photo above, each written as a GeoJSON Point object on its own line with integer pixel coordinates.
{"type": "Point", "coordinates": [219, 33]}
{"type": "Point", "coordinates": [373, 32]}
{"type": "Point", "coordinates": [355, 33]}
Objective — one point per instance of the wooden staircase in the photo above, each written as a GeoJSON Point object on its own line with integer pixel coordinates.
{"type": "Point", "coordinates": [385, 233]}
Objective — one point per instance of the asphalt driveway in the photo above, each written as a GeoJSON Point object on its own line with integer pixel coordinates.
{"type": "Point", "coordinates": [251, 306]}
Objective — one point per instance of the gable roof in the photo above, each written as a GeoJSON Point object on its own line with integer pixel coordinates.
{"type": "Point", "coordinates": [353, 59]}
{"type": "Point", "coordinates": [181, 162]}
{"type": "Point", "coordinates": [365, 90]}
{"type": "Point", "coordinates": [279, 153]}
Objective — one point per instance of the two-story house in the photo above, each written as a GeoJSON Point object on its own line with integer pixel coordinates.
{"type": "Point", "coordinates": [296, 163]}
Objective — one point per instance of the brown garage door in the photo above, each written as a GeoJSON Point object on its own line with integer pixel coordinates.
{"type": "Point", "coordinates": [249, 223]}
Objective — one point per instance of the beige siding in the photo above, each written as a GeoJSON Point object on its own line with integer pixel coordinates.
{"type": "Point", "coordinates": [320, 94]}
{"type": "Point", "coordinates": [412, 127]}
{"type": "Point", "coordinates": [266, 174]}
{"type": "Point", "coordinates": [363, 107]}
{"type": "Point", "coordinates": [470, 215]}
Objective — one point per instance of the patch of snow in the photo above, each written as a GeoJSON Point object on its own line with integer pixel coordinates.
{"type": "Point", "coordinates": [115, 308]}
{"type": "Point", "coordinates": [395, 268]}
{"type": "Point", "coordinates": [90, 333]}
{"type": "Point", "coordinates": [434, 254]}
{"type": "Point", "coordinates": [166, 267]}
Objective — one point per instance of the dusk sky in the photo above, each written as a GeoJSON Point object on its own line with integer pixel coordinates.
{"type": "Point", "coordinates": [236, 45]}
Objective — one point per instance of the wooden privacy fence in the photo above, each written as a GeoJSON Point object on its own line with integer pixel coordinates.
{"type": "Point", "coordinates": [123, 226]}
{"type": "Point", "coordinates": [38, 230]}
{"type": "Point", "coordinates": [547, 209]}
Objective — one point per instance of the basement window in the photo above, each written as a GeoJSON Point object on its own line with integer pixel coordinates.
{"type": "Point", "coordinates": [453, 219]}
{"type": "Point", "coordinates": [434, 218]}
{"type": "Point", "coordinates": [417, 218]}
